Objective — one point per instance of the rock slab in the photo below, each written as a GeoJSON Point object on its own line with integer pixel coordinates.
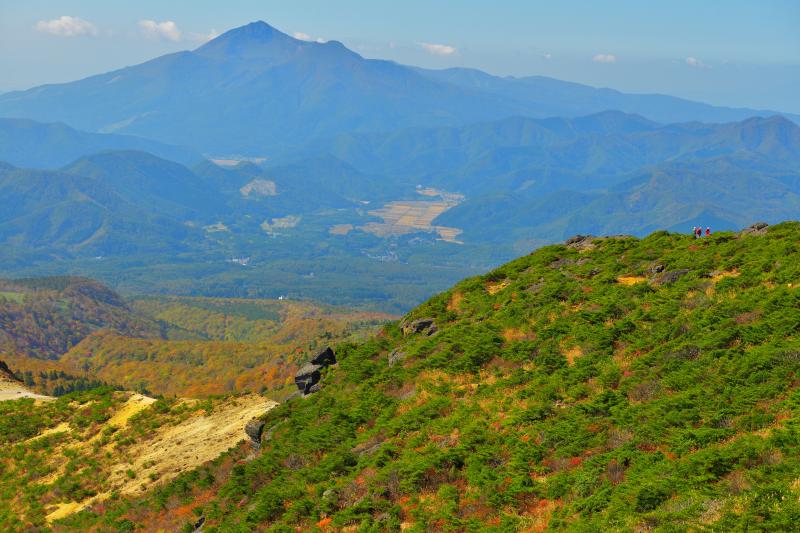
{"type": "Point", "coordinates": [308, 377]}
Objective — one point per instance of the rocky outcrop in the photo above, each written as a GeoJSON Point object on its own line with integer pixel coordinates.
{"type": "Point", "coordinates": [308, 377]}
{"type": "Point", "coordinates": [670, 277]}
{"type": "Point", "coordinates": [580, 241]}
{"type": "Point", "coordinates": [562, 262]}
{"type": "Point", "coordinates": [576, 239]}
{"type": "Point", "coordinates": [6, 374]}
{"type": "Point", "coordinates": [422, 325]}
{"type": "Point", "coordinates": [585, 242]}
{"type": "Point", "coordinates": [759, 228]}
{"type": "Point", "coordinates": [324, 358]}
{"type": "Point", "coordinates": [254, 428]}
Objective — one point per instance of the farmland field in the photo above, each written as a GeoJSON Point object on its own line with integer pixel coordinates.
{"type": "Point", "coordinates": [405, 217]}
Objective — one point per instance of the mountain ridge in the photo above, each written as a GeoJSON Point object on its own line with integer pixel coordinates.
{"type": "Point", "coordinates": [314, 90]}
{"type": "Point", "coordinates": [31, 144]}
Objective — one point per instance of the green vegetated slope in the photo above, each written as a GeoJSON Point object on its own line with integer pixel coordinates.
{"type": "Point", "coordinates": [610, 384]}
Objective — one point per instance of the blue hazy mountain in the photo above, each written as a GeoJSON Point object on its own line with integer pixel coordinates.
{"type": "Point", "coordinates": [531, 156]}
{"type": "Point", "coordinates": [544, 179]}
{"type": "Point", "coordinates": [525, 180]}
{"type": "Point", "coordinates": [26, 143]}
{"type": "Point", "coordinates": [49, 215]}
{"type": "Point", "coordinates": [541, 96]}
{"type": "Point", "coordinates": [255, 90]}
{"type": "Point", "coordinates": [110, 203]}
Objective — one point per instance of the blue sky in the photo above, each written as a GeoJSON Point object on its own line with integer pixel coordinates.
{"type": "Point", "coordinates": [723, 52]}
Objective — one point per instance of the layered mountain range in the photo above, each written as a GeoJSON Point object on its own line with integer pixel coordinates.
{"type": "Point", "coordinates": [326, 163]}
{"type": "Point", "coordinates": [257, 91]}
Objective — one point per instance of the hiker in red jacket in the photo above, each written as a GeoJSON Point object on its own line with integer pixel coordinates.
{"type": "Point", "coordinates": [708, 231]}
{"type": "Point", "coordinates": [699, 232]}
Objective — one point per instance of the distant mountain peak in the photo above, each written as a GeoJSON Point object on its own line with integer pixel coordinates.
{"type": "Point", "coordinates": [254, 39]}
{"type": "Point", "coordinates": [254, 31]}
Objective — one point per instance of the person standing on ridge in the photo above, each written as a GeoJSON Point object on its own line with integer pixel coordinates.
{"type": "Point", "coordinates": [708, 231]}
{"type": "Point", "coordinates": [694, 231]}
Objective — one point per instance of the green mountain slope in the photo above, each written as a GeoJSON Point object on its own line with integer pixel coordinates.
{"type": "Point", "coordinates": [147, 181]}
{"type": "Point", "coordinates": [109, 203]}
{"type": "Point", "coordinates": [606, 384]}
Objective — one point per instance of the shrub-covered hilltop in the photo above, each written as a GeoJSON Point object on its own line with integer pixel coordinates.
{"type": "Point", "coordinates": [605, 384]}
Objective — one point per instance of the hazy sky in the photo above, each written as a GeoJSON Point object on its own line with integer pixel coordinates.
{"type": "Point", "coordinates": [724, 52]}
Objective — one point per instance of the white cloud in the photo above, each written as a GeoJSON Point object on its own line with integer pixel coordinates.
{"type": "Point", "coordinates": [167, 29]}
{"type": "Point", "coordinates": [547, 56]}
{"type": "Point", "coordinates": [306, 37]}
{"type": "Point", "coordinates": [696, 63]}
{"type": "Point", "coordinates": [605, 58]}
{"type": "Point", "coordinates": [438, 49]}
{"type": "Point", "coordinates": [66, 26]}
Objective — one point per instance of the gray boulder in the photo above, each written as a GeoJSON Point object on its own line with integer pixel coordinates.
{"type": "Point", "coordinates": [307, 376]}
{"type": "Point", "coordinates": [422, 325]}
{"type": "Point", "coordinates": [759, 228]}
{"type": "Point", "coordinates": [325, 358]}
{"type": "Point", "coordinates": [671, 276]}
{"type": "Point", "coordinates": [576, 240]}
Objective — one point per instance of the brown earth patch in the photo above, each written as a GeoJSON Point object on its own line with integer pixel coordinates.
{"type": "Point", "coordinates": [631, 280]}
{"type": "Point", "coordinates": [455, 302]}
{"type": "Point", "coordinates": [341, 229]}
{"type": "Point", "coordinates": [515, 334]}
{"type": "Point", "coordinates": [494, 288]}
{"type": "Point", "coordinates": [572, 354]}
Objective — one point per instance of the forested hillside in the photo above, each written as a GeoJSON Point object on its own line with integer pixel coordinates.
{"type": "Point", "coordinates": [219, 346]}
{"type": "Point", "coordinates": [61, 334]}
{"type": "Point", "coordinates": [43, 318]}
{"type": "Point", "coordinates": [607, 383]}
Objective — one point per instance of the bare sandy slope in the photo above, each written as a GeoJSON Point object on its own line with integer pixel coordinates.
{"type": "Point", "coordinates": [178, 448]}
{"type": "Point", "coordinates": [171, 449]}
{"type": "Point", "coordinates": [11, 389]}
